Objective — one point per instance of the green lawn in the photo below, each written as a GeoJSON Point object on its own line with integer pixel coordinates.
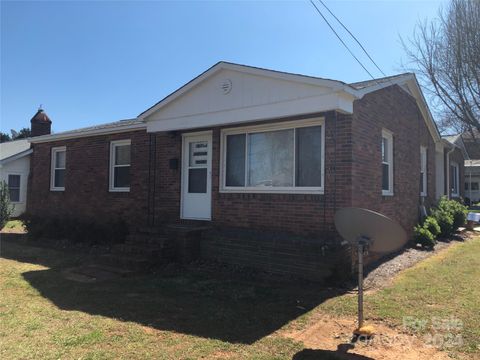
{"type": "Point", "coordinates": [191, 315]}
{"type": "Point", "coordinates": [445, 285]}
{"type": "Point", "coordinates": [178, 316]}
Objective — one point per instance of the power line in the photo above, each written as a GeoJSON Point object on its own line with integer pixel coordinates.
{"type": "Point", "coordinates": [353, 36]}
{"type": "Point", "coordinates": [339, 38]}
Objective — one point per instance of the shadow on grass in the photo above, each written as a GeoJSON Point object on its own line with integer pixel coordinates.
{"type": "Point", "coordinates": [340, 353]}
{"type": "Point", "coordinates": [226, 308]}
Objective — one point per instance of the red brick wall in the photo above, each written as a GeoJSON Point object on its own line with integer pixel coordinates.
{"type": "Point", "coordinates": [310, 215]}
{"type": "Point", "coordinates": [392, 109]}
{"type": "Point", "coordinates": [86, 192]}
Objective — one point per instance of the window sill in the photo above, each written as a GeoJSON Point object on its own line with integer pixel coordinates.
{"type": "Point", "coordinates": [119, 190]}
{"type": "Point", "coordinates": [387, 193]}
{"type": "Point", "coordinates": [57, 189]}
{"type": "Point", "coordinates": [423, 195]}
{"type": "Point", "coordinates": [271, 191]}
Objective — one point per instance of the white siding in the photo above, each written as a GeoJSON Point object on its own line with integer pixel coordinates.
{"type": "Point", "coordinates": [18, 167]}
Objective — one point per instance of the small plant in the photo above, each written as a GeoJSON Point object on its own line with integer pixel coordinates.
{"type": "Point", "coordinates": [6, 207]}
{"type": "Point", "coordinates": [424, 237]}
{"type": "Point", "coordinates": [431, 225]}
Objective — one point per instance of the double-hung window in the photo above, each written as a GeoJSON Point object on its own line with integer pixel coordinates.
{"type": "Point", "coordinates": [282, 157]}
{"type": "Point", "coordinates": [454, 180]}
{"type": "Point", "coordinates": [423, 171]}
{"type": "Point", "coordinates": [387, 163]}
{"type": "Point", "coordinates": [14, 187]}
{"type": "Point", "coordinates": [120, 165]}
{"type": "Point", "coordinates": [58, 163]}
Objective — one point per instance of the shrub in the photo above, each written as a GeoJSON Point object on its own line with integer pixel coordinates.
{"type": "Point", "coordinates": [445, 221]}
{"type": "Point", "coordinates": [6, 207]}
{"type": "Point", "coordinates": [431, 225]}
{"type": "Point", "coordinates": [456, 210]}
{"type": "Point", "coordinates": [87, 231]}
{"type": "Point", "coordinates": [424, 237]}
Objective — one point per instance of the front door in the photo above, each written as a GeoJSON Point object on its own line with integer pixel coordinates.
{"type": "Point", "coordinates": [196, 176]}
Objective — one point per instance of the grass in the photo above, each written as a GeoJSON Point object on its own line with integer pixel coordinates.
{"type": "Point", "coordinates": [190, 315]}
{"type": "Point", "coordinates": [182, 316]}
{"type": "Point", "coordinates": [439, 288]}
{"type": "Point", "coordinates": [14, 226]}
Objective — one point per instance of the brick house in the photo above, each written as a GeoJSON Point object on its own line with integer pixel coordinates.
{"type": "Point", "coordinates": [263, 158]}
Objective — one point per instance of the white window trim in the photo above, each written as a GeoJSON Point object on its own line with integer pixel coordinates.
{"type": "Point", "coordinates": [114, 144]}
{"type": "Point", "coordinates": [424, 169]}
{"type": "Point", "coordinates": [20, 197]}
{"type": "Point", "coordinates": [56, 150]}
{"type": "Point", "coordinates": [271, 127]}
{"type": "Point", "coordinates": [387, 134]}
{"type": "Point", "coordinates": [457, 178]}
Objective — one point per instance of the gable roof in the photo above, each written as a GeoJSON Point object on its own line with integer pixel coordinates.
{"type": "Point", "coordinates": [357, 90]}
{"type": "Point", "coordinates": [223, 65]}
{"type": "Point", "coordinates": [12, 150]}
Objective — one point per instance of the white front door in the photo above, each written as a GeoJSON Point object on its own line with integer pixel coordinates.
{"type": "Point", "coordinates": [197, 176]}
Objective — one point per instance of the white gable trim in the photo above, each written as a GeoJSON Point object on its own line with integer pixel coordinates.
{"type": "Point", "coordinates": [333, 84]}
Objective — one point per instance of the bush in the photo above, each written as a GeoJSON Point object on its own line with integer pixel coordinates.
{"type": "Point", "coordinates": [431, 225]}
{"type": "Point", "coordinates": [6, 207]}
{"type": "Point", "coordinates": [88, 231]}
{"type": "Point", "coordinates": [424, 237]}
{"type": "Point", "coordinates": [445, 221]}
{"type": "Point", "coordinates": [456, 210]}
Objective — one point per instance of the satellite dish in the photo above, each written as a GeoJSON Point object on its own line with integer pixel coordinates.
{"type": "Point", "coordinates": [368, 231]}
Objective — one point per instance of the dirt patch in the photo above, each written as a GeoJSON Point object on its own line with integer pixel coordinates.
{"type": "Point", "coordinates": [383, 274]}
{"type": "Point", "coordinates": [332, 335]}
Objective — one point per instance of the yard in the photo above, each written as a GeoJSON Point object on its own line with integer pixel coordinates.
{"type": "Point", "coordinates": [190, 315]}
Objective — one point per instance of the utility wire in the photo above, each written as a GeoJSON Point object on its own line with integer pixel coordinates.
{"type": "Point", "coordinates": [339, 38]}
{"type": "Point", "coordinates": [353, 36]}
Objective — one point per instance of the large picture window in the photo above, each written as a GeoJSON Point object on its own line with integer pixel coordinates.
{"type": "Point", "coordinates": [120, 165]}
{"type": "Point", "coordinates": [387, 163]}
{"type": "Point", "coordinates": [423, 171]}
{"type": "Point", "coordinates": [59, 159]}
{"type": "Point", "coordinates": [284, 157]}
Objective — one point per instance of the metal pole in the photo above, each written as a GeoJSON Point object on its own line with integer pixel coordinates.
{"type": "Point", "coordinates": [360, 284]}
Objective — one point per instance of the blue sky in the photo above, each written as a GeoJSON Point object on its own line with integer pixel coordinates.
{"type": "Point", "coordinates": [93, 62]}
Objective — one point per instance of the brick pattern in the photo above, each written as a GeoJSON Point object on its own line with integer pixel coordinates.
{"type": "Point", "coordinates": [392, 109]}
{"type": "Point", "coordinates": [86, 192]}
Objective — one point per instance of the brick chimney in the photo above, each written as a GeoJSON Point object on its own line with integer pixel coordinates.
{"type": "Point", "coordinates": [40, 124]}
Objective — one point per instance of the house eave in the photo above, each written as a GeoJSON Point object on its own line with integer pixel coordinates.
{"type": "Point", "coordinates": [15, 157]}
{"type": "Point", "coordinates": [90, 133]}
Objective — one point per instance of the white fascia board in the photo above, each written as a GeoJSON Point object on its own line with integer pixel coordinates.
{"type": "Point", "coordinates": [89, 133]}
{"type": "Point", "coordinates": [315, 104]}
{"type": "Point", "coordinates": [332, 84]}
{"type": "Point", "coordinates": [16, 156]}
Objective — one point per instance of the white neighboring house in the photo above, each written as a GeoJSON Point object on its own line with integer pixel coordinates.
{"type": "Point", "coordinates": [14, 170]}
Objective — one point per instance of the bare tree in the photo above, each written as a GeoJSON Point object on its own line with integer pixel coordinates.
{"type": "Point", "coordinates": [445, 53]}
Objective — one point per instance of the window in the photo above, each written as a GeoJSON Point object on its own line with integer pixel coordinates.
{"type": "Point", "coordinates": [57, 180]}
{"type": "Point", "coordinates": [475, 186]}
{"type": "Point", "coordinates": [120, 165]}
{"type": "Point", "coordinates": [14, 188]}
{"type": "Point", "coordinates": [284, 157]}
{"type": "Point", "coordinates": [423, 171]}
{"type": "Point", "coordinates": [454, 179]}
{"type": "Point", "coordinates": [387, 163]}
